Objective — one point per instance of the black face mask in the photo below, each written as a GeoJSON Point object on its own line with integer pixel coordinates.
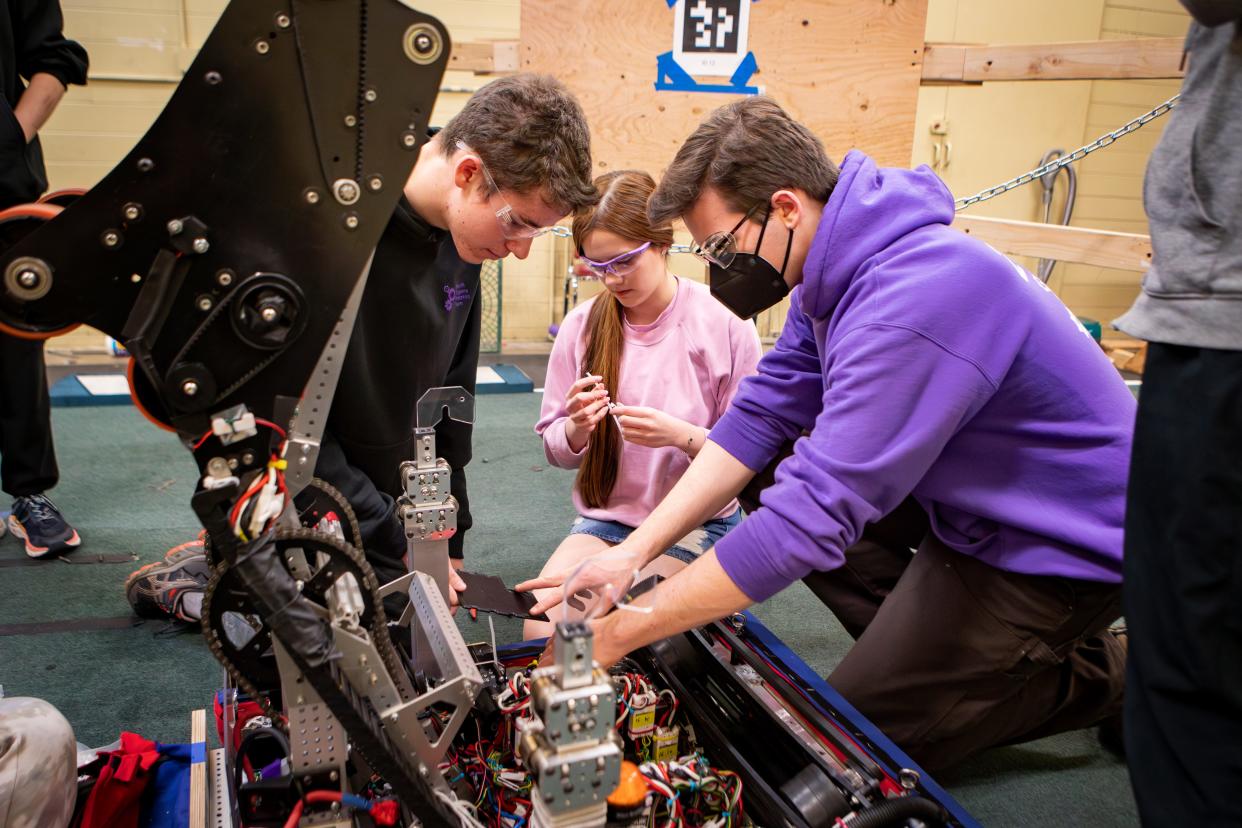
{"type": "Point", "coordinates": [750, 283]}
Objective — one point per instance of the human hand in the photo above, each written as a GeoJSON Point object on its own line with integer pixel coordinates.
{"type": "Point", "coordinates": [597, 583]}
{"type": "Point", "coordinates": [608, 648]}
{"type": "Point", "coordinates": [456, 584]}
{"type": "Point", "coordinates": [587, 404]}
{"type": "Point", "coordinates": [653, 428]}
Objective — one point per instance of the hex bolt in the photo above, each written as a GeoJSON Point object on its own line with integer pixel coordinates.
{"type": "Point", "coordinates": [351, 222]}
{"type": "Point", "coordinates": [233, 464]}
{"type": "Point", "coordinates": [247, 458]}
{"type": "Point", "coordinates": [350, 121]}
{"type": "Point", "coordinates": [213, 78]}
{"type": "Point", "coordinates": [283, 21]}
{"type": "Point", "coordinates": [409, 140]}
{"type": "Point", "coordinates": [375, 183]}
{"type": "Point", "coordinates": [28, 279]}
{"type": "Point", "coordinates": [175, 227]}
{"type": "Point", "coordinates": [145, 165]}
{"type": "Point", "coordinates": [370, 96]}
{"type": "Point", "coordinates": [422, 44]}
{"type": "Point", "coordinates": [224, 278]}
{"type": "Point", "coordinates": [111, 239]}
{"type": "Point", "coordinates": [189, 388]}
{"type": "Point", "coordinates": [312, 196]}
{"type": "Point", "coordinates": [333, 776]}
{"type": "Point", "coordinates": [135, 277]}
{"type": "Point", "coordinates": [262, 47]}
{"type": "Point", "coordinates": [204, 303]}
{"type": "Point", "coordinates": [131, 212]}
{"type": "Point", "coordinates": [201, 245]}
{"type": "Point", "coordinates": [269, 314]}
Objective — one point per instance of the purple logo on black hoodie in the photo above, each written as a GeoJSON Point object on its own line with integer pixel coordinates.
{"type": "Point", "coordinates": [456, 296]}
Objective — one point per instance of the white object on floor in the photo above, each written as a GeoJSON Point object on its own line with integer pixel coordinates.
{"type": "Point", "coordinates": [104, 385]}
{"type": "Point", "coordinates": [487, 376]}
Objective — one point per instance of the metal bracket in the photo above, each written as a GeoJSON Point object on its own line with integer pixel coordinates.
{"type": "Point", "coordinates": [306, 429]}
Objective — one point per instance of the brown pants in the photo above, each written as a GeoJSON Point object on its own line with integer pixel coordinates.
{"type": "Point", "coordinates": [954, 655]}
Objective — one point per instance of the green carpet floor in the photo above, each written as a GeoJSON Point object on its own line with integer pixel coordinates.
{"type": "Point", "coordinates": [126, 486]}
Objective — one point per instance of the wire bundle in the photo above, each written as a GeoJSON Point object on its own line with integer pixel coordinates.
{"type": "Point", "coordinates": [694, 793]}
{"type": "Point", "coordinates": [490, 768]}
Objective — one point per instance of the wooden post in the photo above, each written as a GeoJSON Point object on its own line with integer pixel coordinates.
{"type": "Point", "coordinates": [198, 768]}
{"type": "Point", "coordinates": [1103, 248]}
{"type": "Point", "coordinates": [485, 58]}
{"type": "Point", "coordinates": [955, 63]}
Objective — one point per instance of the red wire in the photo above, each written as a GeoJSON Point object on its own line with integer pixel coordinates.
{"type": "Point", "coordinates": [294, 815]}
{"type": "Point", "coordinates": [271, 425]}
{"type": "Point", "coordinates": [257, 420]}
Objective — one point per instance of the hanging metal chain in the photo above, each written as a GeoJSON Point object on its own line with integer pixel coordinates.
{"type": "Point", "coordinates": [1065, 160]}
{"type": "Point", "coordinates": [565, 233]}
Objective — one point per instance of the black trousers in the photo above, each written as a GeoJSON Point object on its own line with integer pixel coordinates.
{"type": "Point", "coordinates": [1183, 589]}
{"type": "Point", "coordinates": [953, 656]}
{"type": "Point", "coordinates": [27, 456]}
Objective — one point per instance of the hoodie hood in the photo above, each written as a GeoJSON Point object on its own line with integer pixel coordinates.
{"type": "Point", "coordinates": [870, 208]}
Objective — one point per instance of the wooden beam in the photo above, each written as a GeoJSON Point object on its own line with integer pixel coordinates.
{"type": "Point", "coordinates": [485, 57]}
{"type": "Point", "coordinates": [1103, 248]}
{"type": "Point", "coordinates": [198, 768]}
{"type": "Point", "coordinates": [1151, 57]}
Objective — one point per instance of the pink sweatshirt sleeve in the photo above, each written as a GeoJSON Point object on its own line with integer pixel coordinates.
{"type": "Point", "coordinates": [562, 372]}
{"type": "Point", "coordinates": [745, 349]}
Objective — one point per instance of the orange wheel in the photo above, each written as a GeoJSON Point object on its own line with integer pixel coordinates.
{"type": "Point", "coordinates": [142, 409]}
{"type": "Point", "coordinates": [40, 213]}
{"type": "Point", "coordinates": [63, 198]}
{"type": "Point", "coordinates": [35, 335]}
{"type": "Point", "coordinates": [36, 210]}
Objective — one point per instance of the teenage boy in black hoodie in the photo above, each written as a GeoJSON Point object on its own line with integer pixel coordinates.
{"type": "Point", "coordinates": [514, 161]}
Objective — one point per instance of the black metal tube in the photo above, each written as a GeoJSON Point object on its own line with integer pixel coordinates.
{"type": "Point", "coordinates": [895, 812]}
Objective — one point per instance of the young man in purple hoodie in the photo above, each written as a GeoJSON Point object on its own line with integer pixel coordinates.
{"type": "Point", "coordinates": [917, 366]}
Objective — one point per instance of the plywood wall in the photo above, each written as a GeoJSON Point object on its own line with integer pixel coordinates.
{"type": "Point", "coordinates": [848, 69]}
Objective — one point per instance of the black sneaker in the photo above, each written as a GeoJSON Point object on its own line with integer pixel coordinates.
{"type": "Point", "coordinates": [40, 523]}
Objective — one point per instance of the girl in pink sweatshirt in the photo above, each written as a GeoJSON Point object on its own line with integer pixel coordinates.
{"type": "Point", "coordinates": [636, 378]}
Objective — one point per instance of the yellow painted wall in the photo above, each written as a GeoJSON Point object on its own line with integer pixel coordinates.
{"type": "Point", "coordinates": [1110, 184]}
{"type": "Point", "coordinates": [999, 130]}
{"type": "Point", "coordinates": [140, 47]}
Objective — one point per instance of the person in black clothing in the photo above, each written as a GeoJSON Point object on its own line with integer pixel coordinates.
{"type": "Point", "coordinates": [37, 64]}
{"type": "Point", "coordinates": [1183, 544]}
{"type": "Point", "coordinates": [515, 160]}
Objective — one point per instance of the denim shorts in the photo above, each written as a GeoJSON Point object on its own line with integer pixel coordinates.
{"type": "Point", "coordinates": [686, 550]}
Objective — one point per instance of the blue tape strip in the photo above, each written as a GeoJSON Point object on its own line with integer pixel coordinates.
{"type": "Point", "coordinates": [198, 752]}
{"type": "Point", "coordinates": [846, 710]}
{"type": "Point", "coordinates": [670, 77]}
{"type": "Point", "coordinates": [744, 70]}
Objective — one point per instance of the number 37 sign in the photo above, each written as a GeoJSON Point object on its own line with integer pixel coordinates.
{"type": "Point", "coordinates": [709, 40]}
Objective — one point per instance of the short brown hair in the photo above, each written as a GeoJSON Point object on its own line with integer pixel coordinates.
{"type": "Point", "coordinates": [531, 133]}
{"type": "Point", "coordinates": [745, 150]}
{"type": "Point", "coordinates": [622, 209]}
